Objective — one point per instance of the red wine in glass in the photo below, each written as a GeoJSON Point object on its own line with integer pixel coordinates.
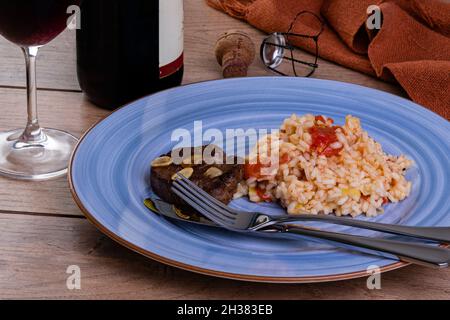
{"type": "Point", "coordinates": [34, 153]}
{"type": "Point", "coordinates": [33, 22]}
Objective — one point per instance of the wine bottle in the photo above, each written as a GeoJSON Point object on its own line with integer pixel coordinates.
{"type": "Point", "coordinates": [128, 49]}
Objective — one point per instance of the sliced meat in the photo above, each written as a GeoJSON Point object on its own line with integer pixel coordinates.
{"type": "Point", "coordinates": [221, 187]}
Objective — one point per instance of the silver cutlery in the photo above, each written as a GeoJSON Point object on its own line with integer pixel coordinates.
{"type": "Point", "coordinates": [239, 221]}
{"type": "Point", "coordinates": [440, 234]}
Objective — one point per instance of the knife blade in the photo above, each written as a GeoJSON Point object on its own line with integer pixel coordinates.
{"type": "Point", "coordinates": [169, 211]}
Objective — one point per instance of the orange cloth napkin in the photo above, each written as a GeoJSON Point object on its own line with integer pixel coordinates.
{"type": "Point", "coordinates": [412, 47]}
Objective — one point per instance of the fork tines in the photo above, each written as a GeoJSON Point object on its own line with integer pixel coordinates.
{"type": "Point", "coordinates": [201, 201]}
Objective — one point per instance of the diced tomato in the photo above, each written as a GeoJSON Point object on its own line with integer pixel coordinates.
{"type": "Point", "coordinates": [252, 170]}
{"type": "Point", "coordinates": [322, 135]}
{"type": "Point", "coordinates": [322, 138]}
{"type": "Point", "coordinates": [284, 158]}
{"type": "Point", "coordinates": [263, 195]}
{"type": "Point", "coordinates": [329, 152]}
{"type": "Point", "coordinates": [322, 119]}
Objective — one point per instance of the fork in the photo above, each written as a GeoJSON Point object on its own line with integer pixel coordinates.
{"type": "Point", "coordinates": [240, 221]}
{"type": "Point", "coordinates": [439, 234]}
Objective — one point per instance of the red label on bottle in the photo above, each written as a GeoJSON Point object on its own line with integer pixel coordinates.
{"type": "Point", "coordinates": [171, 68]}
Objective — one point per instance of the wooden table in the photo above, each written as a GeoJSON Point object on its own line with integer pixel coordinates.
{"type": "Point", "coordinates": [42, 231]}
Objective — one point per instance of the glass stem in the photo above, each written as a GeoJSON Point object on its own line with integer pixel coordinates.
{"type": "Point", "coordinates": [33, 133]}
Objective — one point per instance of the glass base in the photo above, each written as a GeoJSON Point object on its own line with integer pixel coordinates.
{"type": "Point", "coordinates": [41, 160]}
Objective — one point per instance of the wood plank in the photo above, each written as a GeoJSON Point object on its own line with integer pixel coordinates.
{"type": "Point", "coordinates": [36, 252]}
{"type": "Point", "coordinates": [203, 25]}
{"type": "Point", "coordinates": [64, 110]}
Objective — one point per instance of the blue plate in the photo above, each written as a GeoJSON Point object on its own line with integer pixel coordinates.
{"type": "Point", "coordinates": [109, 174]}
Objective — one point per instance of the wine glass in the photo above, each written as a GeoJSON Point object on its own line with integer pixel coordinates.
{"type": "Point", "coordinates": [34, 153]}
